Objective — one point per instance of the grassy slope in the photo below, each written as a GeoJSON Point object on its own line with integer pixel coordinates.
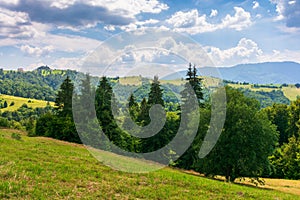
{"type": "Point", "coordinates": [41, 168]}
{"type": "Point", "coordinates": [19, 101]}
{"type": "Point", "coordinates": [291, 92]}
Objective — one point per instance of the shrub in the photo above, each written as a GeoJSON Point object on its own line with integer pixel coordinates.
{"type": "Point", "coordinates": [16, 136]}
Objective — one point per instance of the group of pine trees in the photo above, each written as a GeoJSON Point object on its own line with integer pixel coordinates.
{"type": "Point", "coordinates": [248, 138]}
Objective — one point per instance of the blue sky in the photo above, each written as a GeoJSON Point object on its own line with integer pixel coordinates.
{"type": "Point", "coordinates": [59, 32]}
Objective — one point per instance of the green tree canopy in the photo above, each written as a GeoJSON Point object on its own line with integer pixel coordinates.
{"type": "Point", "coordinates": [246, 142]}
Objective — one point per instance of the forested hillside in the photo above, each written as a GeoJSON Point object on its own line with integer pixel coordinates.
{"type": "Point", "coordinates": [43, 83]}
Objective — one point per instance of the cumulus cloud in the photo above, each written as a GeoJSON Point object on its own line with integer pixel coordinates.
{"type": "Point", "coordinates": [146, 47]}
{"type": "Point", "coordinates": [245, 51]}
{"type": "Point", "coordinates": [36, 51]}
{"type": "Point", "coordinates": [193, 23]}
{"type": "Point", "coordinates": [288, 11]}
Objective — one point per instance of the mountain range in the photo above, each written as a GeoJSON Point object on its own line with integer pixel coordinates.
{"type": "Point", "coordinates": [259, 73]}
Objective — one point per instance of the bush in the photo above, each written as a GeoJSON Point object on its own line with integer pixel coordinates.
{"type": "Point", "coordinates": [4, 122]}
{"type": "Point", "coordinates": [16, 136]}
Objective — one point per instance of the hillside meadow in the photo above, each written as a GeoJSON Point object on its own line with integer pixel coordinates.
{"type": "Point", "coordinates": [291, 92]}
{"type": "Point", "coordinates": [43, 168]}
{"type": "Point", "coordinates": [19, 101]}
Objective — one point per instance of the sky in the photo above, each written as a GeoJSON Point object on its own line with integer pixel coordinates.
{"type": "Point", "coordinates": [62, 33]}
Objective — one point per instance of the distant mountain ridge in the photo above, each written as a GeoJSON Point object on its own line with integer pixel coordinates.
{"type": "Point", "coordinates": [260, 73]}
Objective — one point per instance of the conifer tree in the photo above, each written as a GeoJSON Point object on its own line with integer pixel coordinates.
{"type": "Point", "coordinates": [64, 98]}
{"type": "Point", "coordinates": [133, 107]}
{"type": "Point", "coordinates": [191, 97]}
{"type": "Point", "coordinates": [143, 117]}
{"type": "Point", "coordinates": [155, 95]}
{"type": "Point", "coordinates": [5, 104]}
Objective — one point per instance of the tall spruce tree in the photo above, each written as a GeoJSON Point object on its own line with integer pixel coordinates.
{"type": "Point", "coordinates": [60, 126]}
{"type": "Point", "coordinates": [103, 100]}
{"type": "Point", "coordinates": [161, 138]}
{"type": "Point", "coordinates": [155, 95]}
{"type": "Point", "coordinates": [192, 96]}
{"type": "Point", "coordinates": [63, 100]}
{"type": "Point", "coordinates": [143, 117]}
{"type": "Point", "coordinates": [133, 107]}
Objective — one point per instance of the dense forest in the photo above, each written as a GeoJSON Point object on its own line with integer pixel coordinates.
{"type": "Point", "coordinates": [256, 140]}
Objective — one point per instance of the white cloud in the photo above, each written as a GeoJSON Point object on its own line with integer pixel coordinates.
{"type": "Point", "coordinates": [122, 7]}
{"type": "Point", "coordinates": [279, 9]}
{"type": "Point", "coordinates": [213, 13]}
{"type": "Point", "coordinates": [9, 2]}
{"type": "Point", "coordinates": [62, 43]}
{"type": "Point", "coordinates": [67, 43]}
{"type": "Point", "coordinates": [66, 63]}
{"type": "Point", "coordinates": [131, 7]}
{"type": "Point", "coordinates": [16, 25]}
{"type": "Point", "coordinates": [288, 11]}
{"type": "Point", "coordinates": [291, 2]}
{"type": "Point", "coordinates": [255, 5]}
{"type": "Point", "coordinates": [36, 51]}
{"type": "Point", "coordinates": [239, 21]}
{"type": "Point", "coordinates": [83, 14]}
{"type": "Point", "coordinates": [280, 56]}
{"type": "Point", "coordinates": [139, 25]}
{"type": "Point", "coordinates": [110, 28]}
{"type": "Point", "coordinates": [193, 23]}
{"type": "Point", "coordinates": [245, 51]}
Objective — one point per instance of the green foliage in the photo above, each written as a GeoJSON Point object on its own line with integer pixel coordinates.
{"type": "Point", "coordinates": [143, 117]}
{"type": "Point", "coordinates": [4, 122]}
{"type": "Point", "coordinates": [194, 83]}
{"type": "Point", "coordinates": [16, 136]}
{"type": "Point", "coordinates": [192, 95]}
{"type": "Point", "coordinates": [156, 93]}
{"type": "Point", "coordinates": [278, 114]}
{"type": "Point", "coordinates": [63, 100]}
{"type": "Point", "coordinates": [246, 142]}
{"type": "Point", "coordinates": [294, 119]}
{"type": "Point", "coordinates": [267, 98]}
{"type": "Point", "coordinates": [286, 160]}
{"type": "Point", "coordinates": [134, 108]}
{"type": "Point", "coordinates": [61, 125]}
{"type": "Point", "coordinates": [37, 84]}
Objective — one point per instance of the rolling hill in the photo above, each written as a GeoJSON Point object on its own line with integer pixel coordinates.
{"type": "Point", "coordinates": [43, 168]}
{"type": "Point", "coordinates": [43, 82]}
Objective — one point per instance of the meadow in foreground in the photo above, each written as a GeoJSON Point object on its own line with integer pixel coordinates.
{"type": "Point", "coordinates": [43, 168]}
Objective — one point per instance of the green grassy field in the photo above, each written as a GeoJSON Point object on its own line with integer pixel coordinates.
{"type": "Point", "coordinates": [19, 101]}
{"type": "Point", "coordinates": [43, 168]}
{"type": "Point", "coordinates": [291, 92]}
